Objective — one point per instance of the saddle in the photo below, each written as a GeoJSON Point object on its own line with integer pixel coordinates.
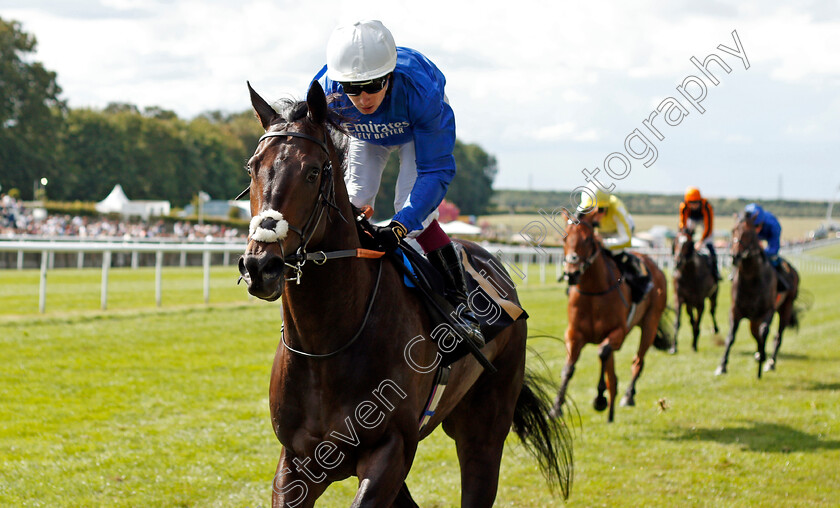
{"type": "Point", "coordinates": [783, 274]}
{"type": "Point", "coordinates": [635, 273]}
{"type": "Point", "coordinates": [494, 312]}
{"type": "Point", "coordinates": [485, 293]}
{"type": "Point", "coordinates": [707, 260]}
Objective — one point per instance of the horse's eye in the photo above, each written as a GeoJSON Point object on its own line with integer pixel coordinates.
{"type": "Point", "coordinates": [313, 174]}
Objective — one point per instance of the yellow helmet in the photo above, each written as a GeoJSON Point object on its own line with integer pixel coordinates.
{"type": "Point", "coordinates": [591, 198]}
{"type": "Point", "coordinates": [692, 194]}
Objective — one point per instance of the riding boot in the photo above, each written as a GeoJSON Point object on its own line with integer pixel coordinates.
{"type": "Point", "coordinates": [713, 263]}
{"type": "Point", "coordinates": [638, 278]}
{"type": "Point", "coordinates": [782, 283]}
{"type": "Point", "coordinates": [447, 261]}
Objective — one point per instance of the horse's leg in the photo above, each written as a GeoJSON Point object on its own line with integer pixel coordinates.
{"type": "Point", "coordinates": [734, 321]}
{"type": "Point", "coordinates": [785, 312]}
{"type": "Point", "coordinates": [649, 327]}
{"type": "Point", "coordinates": [679, 304]}
{"type": "Point", "coordinates": [480, 423]}
{"type": "Point", "coordinates": [612, 385]}
{"type": "Point", "coordinates": [605, 354]}
{"type": "Point", "coordinates": [404, 499]}
{"type": "Point", "coordinates": [713, 308]}
{"type": "Point", "coordinates": [695, 324]}
{"type": "Point", "coordinates": [760, 329]}
{"type": "Point", "coordinates": [573, 348]}
{"type": "Point", "coordinates": [382, 471]}
{"type": "Point", "coordinates": [294, 484]}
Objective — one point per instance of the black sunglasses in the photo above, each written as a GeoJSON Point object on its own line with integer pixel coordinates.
{"type": "Point", "coordinates": [370, 87]}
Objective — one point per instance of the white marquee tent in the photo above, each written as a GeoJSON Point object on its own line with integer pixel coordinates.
{"type": "Point", "coordinates": [118, 202]}
{"type": "Point", "coordinates": [115, 201]}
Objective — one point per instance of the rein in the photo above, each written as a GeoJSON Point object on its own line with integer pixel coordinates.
{"type": "Point", "coordinates": [606, 291]}
{"type": "Point", "coordinates": [597, 249]}
{"type": "Point", "coordinates": [348, 343]}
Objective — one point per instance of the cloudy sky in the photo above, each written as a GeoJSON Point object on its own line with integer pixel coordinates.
{"type": "Point", "coordinates": [549, 88]}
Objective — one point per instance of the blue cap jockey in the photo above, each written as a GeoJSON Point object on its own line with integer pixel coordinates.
{"type": "Point", "coordinates": [769, 230]}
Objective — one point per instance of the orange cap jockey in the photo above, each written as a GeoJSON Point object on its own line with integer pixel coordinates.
{"type": "Point", "coordinates": [695, 212]}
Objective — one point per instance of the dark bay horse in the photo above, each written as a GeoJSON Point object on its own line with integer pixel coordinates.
{"type": "Point", "coordinates": [694, 282]}
{"type": "Point", "coordinates": [598, 312]}
{"type": "Point", "coordinates": [355, 366]}
{"type": "Point", "coordinates": [754, 295]}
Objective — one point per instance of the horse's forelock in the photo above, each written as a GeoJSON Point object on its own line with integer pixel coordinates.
{"type": "Point", "coordinates": [291, 110]}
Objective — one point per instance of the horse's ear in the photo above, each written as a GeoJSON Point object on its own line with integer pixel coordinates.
{"type": "Point", "coordinates": [265, 113]}
{"type": "Point", "coordinates": [316, 101]}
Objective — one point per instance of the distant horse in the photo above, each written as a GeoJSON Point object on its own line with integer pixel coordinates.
{"type": "Point", "coordinates": [598, 312]}
{"type": "Point", "coordinates": [353, 369]}
{"type": "Point", "coordinates": [754, 294]}
{"type": "Point", "coordinates": [694, 282]}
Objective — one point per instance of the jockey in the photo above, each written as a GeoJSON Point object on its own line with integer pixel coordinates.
{"type": "Point", "coordinates": [692, 210]}
{"type": "Point", "coordinates": [770, 231]}
{"type": "Point", "coordinates": [615, 224]}
{"type": "Point", "coordinates": [392, 100]}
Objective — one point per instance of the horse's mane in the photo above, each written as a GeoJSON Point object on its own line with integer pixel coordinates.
{"type": "Point", "coordinates": [293, 110]}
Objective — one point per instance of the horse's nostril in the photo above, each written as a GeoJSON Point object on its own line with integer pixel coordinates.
{"type": "Point", "coordinates": [273, 267]}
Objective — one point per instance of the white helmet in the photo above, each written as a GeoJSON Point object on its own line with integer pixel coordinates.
{"type": "Point", "coordinates": [362, 51]}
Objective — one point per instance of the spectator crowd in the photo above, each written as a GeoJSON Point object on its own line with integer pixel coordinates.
{"type": "Point", "coordinates": [16, 221]}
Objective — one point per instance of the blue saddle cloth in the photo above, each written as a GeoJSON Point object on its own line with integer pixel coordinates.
{"type": "Point", "coordinates": [494, 312]}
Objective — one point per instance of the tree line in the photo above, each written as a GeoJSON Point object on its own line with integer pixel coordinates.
{"type": "Point", "coordinates": [152, 153]}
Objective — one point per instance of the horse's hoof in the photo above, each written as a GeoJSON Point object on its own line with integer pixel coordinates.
{"type": "Point", "coordinates": [555, 413]}
{"type": "Point", "coordinates": [627, 401]}
{"type": "Point", "coordinates": [771, 365]}
{"type": "Point", "coordinates": [600, 403]}
{"type": "Point", "coordinates": [760, 357]}
{"type": "Point", "coordinates": [673, 350]}
{"type": "Point", "coordinates": [720, 370]}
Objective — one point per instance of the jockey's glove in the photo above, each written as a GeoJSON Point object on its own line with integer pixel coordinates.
{"type": "Point", "coordinates": [389, 237]}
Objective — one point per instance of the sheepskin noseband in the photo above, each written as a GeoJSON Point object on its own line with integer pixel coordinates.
{"type": "Point", "coordinates": [269, 227]}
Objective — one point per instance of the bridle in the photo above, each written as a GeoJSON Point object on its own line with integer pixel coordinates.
{"type": "Point", "coordinates": [582, 267]}
{"type": "Point", "coordinates": [572, 258]}
{"type": "Point", "coordinates": [679, 259]}
{"type": "Point", "coordinates": [753, 250]}
{"type": "Point", "coordinates": [326, 198]}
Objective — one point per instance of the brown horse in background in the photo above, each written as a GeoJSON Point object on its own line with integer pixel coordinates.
{"type": "Point", "coordinates": [598, 313]}
{"type": "Point", "coordinates": [354, 366]}
{"type": "Point", "coordinates": [754, 294]}
{"type": "Point", "coordinates": [694, 282]}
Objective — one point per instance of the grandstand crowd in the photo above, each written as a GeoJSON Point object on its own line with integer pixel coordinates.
{"type": "Point", "coordinates": [17, 220]}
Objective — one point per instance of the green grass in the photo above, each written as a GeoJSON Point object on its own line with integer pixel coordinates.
{"type": "Point", "coordinates": [137, 406]}
{"type": "Point", "coordinates": [831, 251]}
{"type": "Point", "coordinates": [70, 290]}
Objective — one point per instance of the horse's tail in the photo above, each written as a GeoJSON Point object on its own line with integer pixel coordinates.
{"type": "Point", "coordinates": [803, 303]}
{"type": "Point", "coordinates": [548, 439]}
{"type": "Point", "coordinates": [664, 338]}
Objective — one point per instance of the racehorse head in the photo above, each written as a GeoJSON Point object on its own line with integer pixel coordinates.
{"type": "Point", "coordinates": [683, 247]}
{"type": "Point", "coordinates": [744, 240]}
{"type": "Point", "coordinates": [580, 248]}
{"type": "Point", "coordinates": [293, 187]}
